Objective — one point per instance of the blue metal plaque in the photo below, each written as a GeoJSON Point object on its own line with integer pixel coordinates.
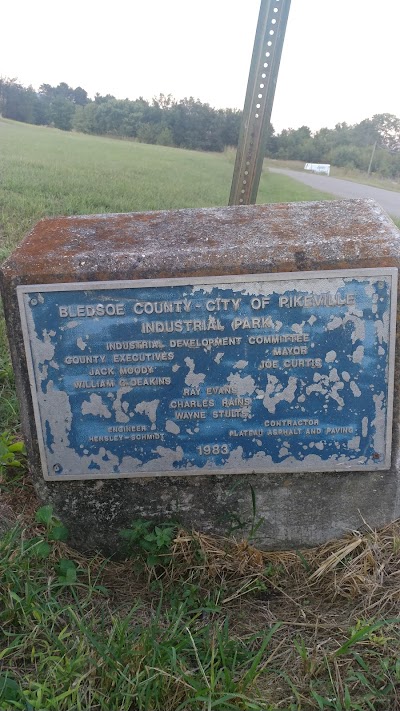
{"type": "Point", "coordinates": [255, 373]}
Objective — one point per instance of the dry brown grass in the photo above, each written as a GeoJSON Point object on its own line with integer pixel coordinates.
{"type": "Point", "coordinates": [321, 596]}
{"type": "Point", "coordinates": [362, 568]}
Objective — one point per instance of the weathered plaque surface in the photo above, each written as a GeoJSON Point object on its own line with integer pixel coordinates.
{"type": "Point", "coordinates": [254, 373]}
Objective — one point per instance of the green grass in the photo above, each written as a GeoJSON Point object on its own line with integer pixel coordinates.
{"type": "Point", "coordinates": [46, 172]}
{"type": "Point", "coordinates": [68, 650]}
{"type": "Point", "coordinates": [91, 635]}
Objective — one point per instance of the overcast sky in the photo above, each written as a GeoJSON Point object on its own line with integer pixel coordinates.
{"type": "Point", "coordinates": [340, 59]}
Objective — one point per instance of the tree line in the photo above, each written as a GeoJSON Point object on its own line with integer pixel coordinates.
{"type": "Point", "coordinates": [187, 123]}
{"type": "Point", "coordinates": [373, 144]}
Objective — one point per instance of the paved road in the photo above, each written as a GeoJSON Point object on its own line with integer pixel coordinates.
{"type": "Point", "coordinates": [390, 201]}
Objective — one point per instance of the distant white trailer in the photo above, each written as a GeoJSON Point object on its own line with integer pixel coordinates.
{"type": "Point", "coordinates": [318, 167]}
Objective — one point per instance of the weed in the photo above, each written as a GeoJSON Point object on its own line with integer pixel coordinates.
{"type": "Point", "coordinates": [248, 526]}
{"type": "Point", "coordinates": [11, 452]}
{"type": "Point", "coordinates": [151, 542]}
{"type": "Point", "coordinates": [66, 571]}
{"type": "Point", "coordinates": [12, 462]}
{"type": "Point", "coordinates": [11, 694]}
{"type": "Point", "coordinates": [55, 530]}
{"type": "Point", "coordinates": [308, 660]}
{"type": "Point", "coordinates": [365, 631]}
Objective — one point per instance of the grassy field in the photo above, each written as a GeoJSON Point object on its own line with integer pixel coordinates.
{"type": "Point", "coordinates": [187, 622]}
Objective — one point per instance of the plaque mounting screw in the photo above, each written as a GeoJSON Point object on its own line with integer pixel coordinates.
{"type": "Point", "coordinates": [57, 468]}
{"type": "Point", "coordinates": [33, 302]}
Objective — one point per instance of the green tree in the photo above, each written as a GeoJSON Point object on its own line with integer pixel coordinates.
{"type": "Point", "coordinates": [231, 120]}
{"type": "Point", "coordinates": [293, 144]}
{"type": "Point", "coordinates": [79, 96]}
{"type": "Point", "coordinates": [61, 113]}
{"type": "Point", "coordinates": [16, 101]}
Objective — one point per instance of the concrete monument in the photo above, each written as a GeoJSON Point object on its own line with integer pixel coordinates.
{"type": "Point", "coordinates": [167, 361]}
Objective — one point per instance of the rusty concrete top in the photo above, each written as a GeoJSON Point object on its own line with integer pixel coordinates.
{"type": "Point", "coordinates": [213, 241]}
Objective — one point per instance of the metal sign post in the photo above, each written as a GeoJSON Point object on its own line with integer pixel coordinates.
{"type": "Point", "coordinates": [260, 93]}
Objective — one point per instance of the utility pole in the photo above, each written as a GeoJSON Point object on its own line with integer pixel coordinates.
{"type": "Point", "coordinates": [372, 158]}
{"type": "Point", "coordinates": [268, 43]}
